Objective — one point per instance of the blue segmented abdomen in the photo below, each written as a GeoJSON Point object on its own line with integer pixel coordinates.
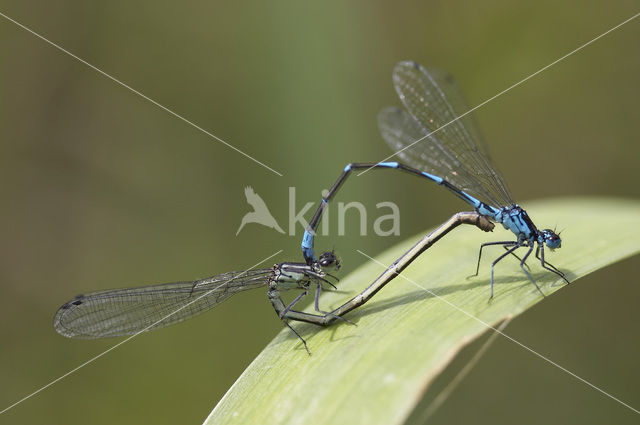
{"type": "Point", "coordinates": [307, 245]}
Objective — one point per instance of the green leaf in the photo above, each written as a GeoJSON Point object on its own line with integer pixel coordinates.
{"type": "Point", "coordinates": [377, 371]}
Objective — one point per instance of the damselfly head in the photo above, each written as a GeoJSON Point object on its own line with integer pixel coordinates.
{"type": "Point", "coordinates": [329, 259]}
{"type": "Point", "coordinates": [551, 239]}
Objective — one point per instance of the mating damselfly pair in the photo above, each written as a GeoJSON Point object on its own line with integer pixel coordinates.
{"type": "Point", "coordinates": [432, 137]}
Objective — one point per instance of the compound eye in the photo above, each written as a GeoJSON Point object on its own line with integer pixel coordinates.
{"type": "Point", "coordinates": [552, 239]}
{"type": "Point", "coordinates": [328, 259]}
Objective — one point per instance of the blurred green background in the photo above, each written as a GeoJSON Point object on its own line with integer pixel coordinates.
{"type": "Point", "coordinates": [101, 189]}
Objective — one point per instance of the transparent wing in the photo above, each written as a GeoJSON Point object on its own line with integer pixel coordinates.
{"type": "Point", "coordinates": [454, 152]}
{"type": "Point", "coordinates": [128, 311]}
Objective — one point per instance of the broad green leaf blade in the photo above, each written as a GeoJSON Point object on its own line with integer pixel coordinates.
{"type": "Point", "coordinates": [376, 372]}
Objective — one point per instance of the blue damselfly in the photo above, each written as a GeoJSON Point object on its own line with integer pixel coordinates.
{"type": "Point", "coordinates": [438, 141]}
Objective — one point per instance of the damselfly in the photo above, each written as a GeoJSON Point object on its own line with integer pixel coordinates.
{"type": "Point", "coordinates": [119, 312]}
{"type": "Point", "coordinates": [443, 146]}
{"type": "Point", "coordinates": [130, 311]}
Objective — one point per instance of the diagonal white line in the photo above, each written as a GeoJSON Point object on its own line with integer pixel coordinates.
{"type": "Point", "coordinates": [504, 335]}
{"type": "Point", "coordinates": [164, 108]}
{"type": "Point", "coordinates": [507, 89]}
{"type": "Point", "coordinates": [453, 384]}
{"type": "Point", "coordinates": [131, 337]}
